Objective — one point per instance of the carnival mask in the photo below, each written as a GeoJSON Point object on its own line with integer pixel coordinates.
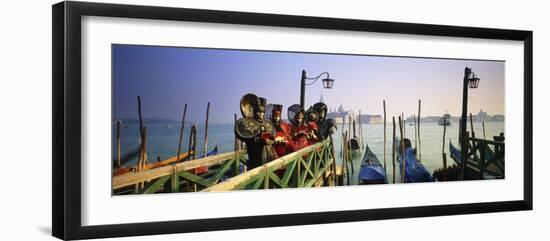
{"type": "Point", "coordinates": [277, 118]}
{"type": "Point", "coordinates": [300, 118]}
{"type": "Point", "coordinates": [322, 114]}
{"type": "Point", "coordinates": [260, 115]}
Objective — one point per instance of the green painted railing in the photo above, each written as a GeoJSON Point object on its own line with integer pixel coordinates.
{"type": "Point", "coordinates": [181, 177]}
{"type": "Point", "coordinates": [313, 165]}
{"type": "Point", "coordinates": [310, 166]}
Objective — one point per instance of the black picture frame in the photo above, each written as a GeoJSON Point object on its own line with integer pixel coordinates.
{"type": "Point", "coordinates": [67, 137]}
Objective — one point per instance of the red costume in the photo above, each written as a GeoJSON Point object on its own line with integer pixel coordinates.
{"type": "Point", "coordinates": [302, 134]}
{"type": "Point", "coordinates": [313, 127]}
{"type": "Point", "coordinates": [311, 120]}
{"type": "Point", "coordinates": [282, 131]}
{"type": "Point", "coordinates": [299, 138]}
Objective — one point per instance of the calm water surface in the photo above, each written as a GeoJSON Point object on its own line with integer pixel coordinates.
{"type": "Point", "coordinates": [162, 141]}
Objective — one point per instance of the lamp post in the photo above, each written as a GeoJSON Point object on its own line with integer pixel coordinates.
{"type": "Point", "coordinates": [470, 81]}
{"type": "Point", "coordinates": [327, 84]}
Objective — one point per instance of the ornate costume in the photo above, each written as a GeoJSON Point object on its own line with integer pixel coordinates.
{"type": "Point", "coordinates": [255, 131]}
{"type": "Point", "coordinates": [311, 120]}
{"type": "Point", "coordinates": [302, 134]}
{"type": "Point", "coordinates": [326, 126]}
{"type": "Point", "coordinates": [282, 130]}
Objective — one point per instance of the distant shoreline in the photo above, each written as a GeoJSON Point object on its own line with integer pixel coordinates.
{"type": "Point", "coordinates": [176, 123]}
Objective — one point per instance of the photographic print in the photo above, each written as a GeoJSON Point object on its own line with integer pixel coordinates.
{"type": "Point", "coordinates": [278, 117]}
{"type": "Point", "coordinates": [202, 119]}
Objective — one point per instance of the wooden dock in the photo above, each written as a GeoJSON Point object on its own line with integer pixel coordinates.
{"type": "Point", "coordinates": [485, 160]}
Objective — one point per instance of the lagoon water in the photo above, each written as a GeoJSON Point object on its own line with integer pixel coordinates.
{"type": "Point", "coordinates": [162, 141]}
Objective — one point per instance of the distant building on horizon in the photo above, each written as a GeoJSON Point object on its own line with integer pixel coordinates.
{"type": "Point", "coordinates": [479, 117]}
{"type": "Point", "coordinates": [498, 118]}
{"type": "Point", "coordinates": [341, 115]}
{"type": "Point", "coordinates": [371, 119]}
{"type": "Point", "coordinates": [482, 116]}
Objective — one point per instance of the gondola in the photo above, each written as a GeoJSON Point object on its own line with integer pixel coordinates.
{"type": "Point", "coordinates": [455, 153]}
{"type": "Point", "coordinates": [371, 171]}
{"type": "Point", "coordinates": [212, 152]}
{"type": "Point", "coordinates": [354, 142]}
{"type": "Point", "coordinates": [415, 171]}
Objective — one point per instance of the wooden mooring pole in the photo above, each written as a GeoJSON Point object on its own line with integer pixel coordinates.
{"type": "Point", "coordinates": [443, 155]}
{"type": "Point", "coordinates": [418, 127]}
{"type": "Point", "coordinates": [206, 130]}
{"type": "Point", "coordinates": [192, 143]}
{"type": "Point", "coordinates": [415, 134]}
{"type": "Point", "coordinates": [344, 171]}
{"type": "Point", "coordinates": [181, 131]}
{"type": "Point", "coordinates": [139, 164]}
{"type": "Point", "coordinates": [419, 148]}
{"type": "Point", "coordinates": [483, 125]}
{"type": "Point", "coordinates": [472, 126]}
{"type": "Point", "coordinates": [342, 146]}
{"type": "Point", "coordinates": [143, 154]}
{"type": "Point", "coordinates": [237, 145]}
{"type": "Point", "coordinates": [384, 105]}
{"type": "Point", "coordinates": [193, 147]}
{"type": "Point", "coordinates": [348, 156]}
{"type": "Point", "coordinates": [343, 140]}
{"type": "Point", "coordinates": [118, 143]}
{"type": "Point", "coordinates": [334, 174]}
{"type": "Point", "coordinates": [351, 157]}
{"type": "Point", "coordinates": [393, 150]}
{"type": "Point", "coordinates": [402, 147]}
{"type": "Point", "coordinates": [361, 131]}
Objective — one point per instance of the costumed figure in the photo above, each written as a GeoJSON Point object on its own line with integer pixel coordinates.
{"type": "Point", "coordinates": [282, 129]}
{"type": "Point", "coordinates": [256, 132]}
{"type": "Point", "coordinates": [311, 120]}
{"type": "Point", "coordinates": [300, 133]}
{"type": "Point", "coordinates": [326, 126]}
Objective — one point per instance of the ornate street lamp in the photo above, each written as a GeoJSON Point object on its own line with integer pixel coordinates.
{"type": "Point", "coordinates": [470, 81]}
{"type": "Point", "coordinates": [473, 82]}
{"type": "Point", "coordinates": [327, 84]}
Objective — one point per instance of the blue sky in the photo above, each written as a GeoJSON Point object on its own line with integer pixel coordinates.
{"type": "Point", "coordinates": [169, 77]}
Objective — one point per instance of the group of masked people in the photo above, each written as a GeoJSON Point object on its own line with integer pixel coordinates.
{"type": "Point", "coordinates": [267, 136]}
